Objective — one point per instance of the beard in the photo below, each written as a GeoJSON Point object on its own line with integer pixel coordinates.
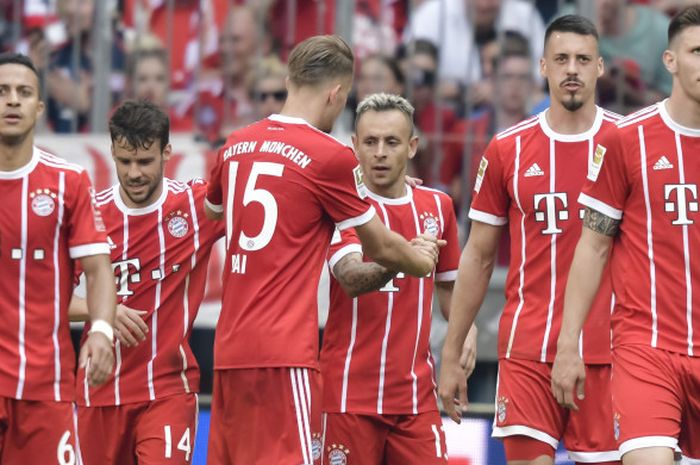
{"type": "Point", "coordinates": [571, 104]}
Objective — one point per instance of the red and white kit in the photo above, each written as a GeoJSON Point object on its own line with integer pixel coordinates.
{"type": "Point", "coordinates": [648, 177]}
{"type": "Point", "coordinates": [159, 255]}
{"type": "Point", "coordinates": [530, 177]}
{"type": "Point", "coordinates": [376, 360]}
{"type": "Point", "coordinates": [283, 187]}
{"type": "Point", "coordinates": [47, 220]}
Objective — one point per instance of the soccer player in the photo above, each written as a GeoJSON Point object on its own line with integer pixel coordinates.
{"type": "Point", "coordinates": [642, 196]}
{"type": "Point", "coordinates": [48, 221]}
{"type": "Point", "coordinates": [530, 177]}
{"type": "Point", "coordinates": [283, 186]}
{"type": "Point", "coordinates": [378, 382]}
{"type": "Point", "coordinates": [160, 244]}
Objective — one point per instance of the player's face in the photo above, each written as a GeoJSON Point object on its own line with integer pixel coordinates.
{"type": "Point", "coordinates": [571, 64]}
{"type": "Point", "coordinates": [384, 144]}
{"type": "Point", "coordinates": [151, 81]}
{"type": "Point", "coordinates": [683, 61]}
{"type": "Point", "coordinates": [140, 171]}
{"type": "Point", "coordinates": [20, 105]}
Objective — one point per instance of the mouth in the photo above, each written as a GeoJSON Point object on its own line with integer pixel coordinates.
{"type": "Point", "coordinates": [12, 118]}
{"type": "Point", "coordinates": [572, 86]}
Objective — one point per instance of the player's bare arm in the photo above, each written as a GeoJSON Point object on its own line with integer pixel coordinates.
{"type": "Point", "coordinates": [358, 277]}
{"type": "Point", "coordinates": [443, 291]}
{"type": "Point", "coordinates": [129, 326]}
{"type": "Point", "coordinates": [475, 268]}
{"type": "Point", "coordinates": [213, 214]}
{"type": "Point", "coordinates": [590, 258]}
{"type": "Point", "coordinates": [392, 251]}
{"type": "Point", "coordinates": [101, 299]}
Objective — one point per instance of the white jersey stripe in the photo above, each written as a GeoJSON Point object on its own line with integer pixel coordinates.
{"type": "Point", "coordinates": [156, 305]}
{"type": "Point", "coordinates": [86, 386]}
{"type": "Point", "coordinates": [650, 239]}
{"type": "Point", "coordinates": [117, 345]}
{"type": "Point", "coordinates": [22, 285]}
{"type": "Point", "coordinates": [419, 327]}
{"type": "Point", "coordinates": [521, 270]}
{"type": "Point", "coordinates": [552, 258]}
{"type": "Point", "coordinates": [686, 253]}
{"type": "Point", "coordinates": [56, 289]}
{"type": "Point", "coordinates": [438, 203]}
{"type": "Point", "coordinates": [438, 447]}
{"type": "Point", "coordinates": [300, 420]}
{"type": "Point", "coordinates": [387, 329]}
{"type": "Point", "coordinates": [348, 359]}
{"type": "Point", "coordinates": [183, 375]}
{"type": "Point", "coordinates": [631, 121]}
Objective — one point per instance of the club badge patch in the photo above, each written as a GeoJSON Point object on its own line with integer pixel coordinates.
{"type": "Point", "coordinates": [178, 224]}
{"type": "Point", "coordinates": [43, 202]}
{"type": "Point", "coordinates": [338, 454]}
{"type": "Point", "coordinates": [316, 446]}
{"type": "Point", "coordinates": [431, 224]}
{"type": "Point", "coordinates": [359, 182]}
{"type": "Point", "coordinates": [501, 409]}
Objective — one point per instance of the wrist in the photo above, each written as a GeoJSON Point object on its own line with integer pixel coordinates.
{"type": "Point", "coordinates": [101, 326]}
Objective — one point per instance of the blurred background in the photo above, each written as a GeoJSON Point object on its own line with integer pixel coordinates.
{"type": "Point", "coordinates": [470, 68]}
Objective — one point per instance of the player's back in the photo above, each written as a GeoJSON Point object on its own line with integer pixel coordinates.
{"type": "Point", "coordinates": [283, 187]}
{"type": "Point", "coordinates": [530, 178]}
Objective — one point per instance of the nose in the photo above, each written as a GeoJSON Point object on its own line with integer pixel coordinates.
{"type": "Point", "coordinates": [134, 172]}
{"type": "Point", "coordinates": [381, 150]}
{"type": "Point", "coordinates": [572, 68]}
{"type": "Point", "coordinates": [13, 98]}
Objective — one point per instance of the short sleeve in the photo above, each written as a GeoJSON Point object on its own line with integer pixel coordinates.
{"type": "Point", "coordinates": [490, 198]}
{"type": "Point", "coordinates": [607, 184]}
{"type": "Point", "coordinates": [86, 229]}
{"type": "Point", "coordinates": [343, 243]}
{"type": "Point", "coordinates": [214, 197]}
{"type": "Point", "coordinates": [210, 230]}
{"type": "Point", "coordinates": [448, 260]}
{"type": "Point", "coordinates": [341, 191]}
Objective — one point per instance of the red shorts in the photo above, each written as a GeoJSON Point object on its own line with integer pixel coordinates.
{"type": "Point", "coordinates": [525, 406]}
{"type": "Point", "coordinates": [263, 416]}
{"type": "Point", "coordinates": [656, 399]}
{"type": "Point", "coordinates": [38, 432]}
{"type": "Point", "coordinates": [142, 433]}
{"type": "Point", "coordinates": [384, 439]}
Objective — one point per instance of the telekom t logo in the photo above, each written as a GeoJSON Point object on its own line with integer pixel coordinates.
{"type": "Point", "coordinates": [127, 271]}
{"type": "Point", "coordinates": [554, 209]}
{"type": "Point", "coordinates": [686, 200]}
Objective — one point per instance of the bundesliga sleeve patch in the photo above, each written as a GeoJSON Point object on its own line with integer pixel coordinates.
{"type": "Point", "coordinates": [359, 183]}
{"type": "Point", "coordinates": [596, 162]}
{"type": "Point", "coordinates": [481, 173]}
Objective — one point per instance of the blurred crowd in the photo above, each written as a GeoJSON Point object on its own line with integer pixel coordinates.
{"type": "Point", "coordinates": [470, 67]}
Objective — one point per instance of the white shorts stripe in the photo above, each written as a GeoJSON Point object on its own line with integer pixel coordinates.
{"type": "Point", "coordinates": [438, 447]}
{"type": "Point", "coordinates": [300, 419]}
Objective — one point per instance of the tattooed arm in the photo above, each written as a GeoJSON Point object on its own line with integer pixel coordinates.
{"type": "Point", "coordinates": [586, 270]}
{"type": "Point", "coordinates": [358, 277]}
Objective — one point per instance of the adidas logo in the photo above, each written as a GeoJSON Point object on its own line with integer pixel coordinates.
{"type": "Point", "coordinates": [534, 170]}
{"type": "Point", "coordinates": [663, 164]}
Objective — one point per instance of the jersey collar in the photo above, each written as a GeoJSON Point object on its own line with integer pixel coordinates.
{"type": "Point", "coordinates": [387, 201]}
{"type": "Point", "coordinates": [580, 137]}
{"type": "Point", "coordinates": [119, 202]}
{"type": "Point", "coordinates": [25, 170]}
{"type": "Point", "coordinates": [666, 117]}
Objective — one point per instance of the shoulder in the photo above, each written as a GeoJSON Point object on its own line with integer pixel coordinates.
{"type": "Point", "coordinates": [441, 198]}
{"type": "Point", "coordinates": [53, 162]}
{"type": "Point", "coordinates": [639, 118]}
{"type": "Point", "coordinates": [106, 196]}
{"type": "Point", "coordinates": [519, 129]}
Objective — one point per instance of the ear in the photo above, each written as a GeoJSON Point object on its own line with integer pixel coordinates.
{"type": "Point", "coordinates": [40, 109]}
{"type": "Point", "coordinates": [167, 151]}
{"type": "Point", "coordinates": [543, 68]}
{"type": "Point", "coordinates": [412, 147]}
{"type": "Point", "coordinates": [333, 94]}
{"type": "Point", "coordinates": [601, 66]}
{"type": "Point", "coordinates": [354, 140]}
{"type": "Point", "coordinates": [670, 61]}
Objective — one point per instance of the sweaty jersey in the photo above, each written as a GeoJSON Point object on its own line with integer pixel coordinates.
{"type": "Point", "coordinates": [159, 256]}
{"type": "Point", "coordinates": [283, 186]}
{"type": "Point", "coordinates": [647, 176]}
{"type": "Point", "coordinates": [47, 220]}
{"type": "Point", "coordinates": [376, 355]}
{"type": "Point", "coordinates": [530, 177]}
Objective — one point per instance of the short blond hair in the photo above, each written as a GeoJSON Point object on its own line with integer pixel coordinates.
{"type": "Point", "coordinates": [385, 102]}
{"type": "Point", "coordinates": [320, 58]}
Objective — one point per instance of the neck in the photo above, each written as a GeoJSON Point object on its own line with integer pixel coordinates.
{"type": "Point", "coordinates": [564, 121]}
{"type": "Point", "coordinates": [683, 109]}
{"type": "Point", "coordinates": [15, 156]}
{"type": "Point", "coordinates": [393, 191]}
{"type": "Point", "coordinates": [305, 105]}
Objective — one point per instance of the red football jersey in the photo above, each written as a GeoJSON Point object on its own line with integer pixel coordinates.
{"type": "Point", "coordinates": [284, 187]}
{"type": "Point", "coordinates": [530, 177]}
{"type": "Point", "coordinates": [159, 255]}
{"type": "Point", "coordinates": [376, 355]}
{"type": "Point", "coordinates": [47, 220]}
{"type": "Point", "coordinates": [647, 175]}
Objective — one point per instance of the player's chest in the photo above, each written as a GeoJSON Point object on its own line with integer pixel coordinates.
{"type": "Point", "coordinates": [419, 216]}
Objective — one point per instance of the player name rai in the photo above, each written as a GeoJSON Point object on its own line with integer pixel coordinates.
{"type": "Point", "coordinates": [239, 262]}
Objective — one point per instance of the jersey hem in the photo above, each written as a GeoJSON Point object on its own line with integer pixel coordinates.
{"type": "Point", "coordinates": [336, 410]}
{"type": "Point", "coordinates": [357, 220]}
{"type": "Point", "coordinates": [343, 252]}
{"type": "Point", "coordinates": [487, 218]}
{"type": "Point", "coordinates": [213, 207]}
{"type": "Point", "coordinates": [85, 250]}
{"type": "Point", "coordinates": [599, 206]}
{"type": "Point", "coordinates": [80, 402]}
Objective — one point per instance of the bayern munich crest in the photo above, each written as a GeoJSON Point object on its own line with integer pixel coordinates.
{"type": "Point", "coordinates": [316, 446]}
{"type": "Point", "coordinates": [43, 202]}
{"type": "Point", "coordinates": [430, 224]}
{"type": "Point", "coordinates": [338, 454]}
{"type": "Point", "coordinates": [177, 223]}
{"type": "Point", "coordinates": [501, 409]}
{"type": "Point", "coordinates": [616, 425]}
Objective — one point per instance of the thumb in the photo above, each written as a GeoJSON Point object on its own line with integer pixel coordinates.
{"type": "Point", "coordinates": [84, 355]}
{"type": "Point", "coordinates": [580, 388]}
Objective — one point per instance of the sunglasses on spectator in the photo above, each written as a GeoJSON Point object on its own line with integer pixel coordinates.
{"type": "Point", "coordinates": [278, 95]}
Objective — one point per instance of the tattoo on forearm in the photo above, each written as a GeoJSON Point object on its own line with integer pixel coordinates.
{"type": "Point", "coordinates": [600, 223]}
{"type": "Point", "coordinates": [361, 277]}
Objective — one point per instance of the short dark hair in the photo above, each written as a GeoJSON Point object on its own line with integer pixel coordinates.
{"type": "Point", "coordinates": [684, 19]}
{"type": "Point", "coordinates": [391, 63]}
{"type": "Point", "coordinates": [571, 23]}
{"type": "Point", "coordinates": [11, 58]}
{"type": "Point", "coordinates": [513, 45]}
{"type": "Point", "coordinates": [140, 55]}
{"type": "Point", "coordinates": [140, 123]}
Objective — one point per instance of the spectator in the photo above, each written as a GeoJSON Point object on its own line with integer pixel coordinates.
{"type": "Point", "coordinates": [632, 40]}
{"type": "Point", "coordinates": [268, 89]}
{"type": "Point", "coordinates": [464, 25]}
{"type": "Point", "coordinates": [378, 73]}
{"type": "Point", "coordinates": [69, 81]}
